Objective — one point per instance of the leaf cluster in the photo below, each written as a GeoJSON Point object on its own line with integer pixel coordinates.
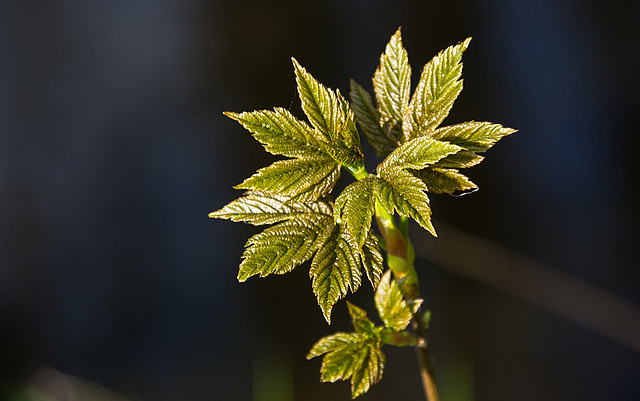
{"type": "Point", "coordinates": [294, 196]}
{"type": "Point", "coordinates": [357, 355]}
{"type": "Point", "coordinates": [295, 193]}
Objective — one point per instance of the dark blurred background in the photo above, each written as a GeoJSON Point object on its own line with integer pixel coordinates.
{"type": "Point", "coordinates": [113, 150]}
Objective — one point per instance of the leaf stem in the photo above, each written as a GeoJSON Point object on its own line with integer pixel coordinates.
{"type": "Point", "coordinates": [358, 171]}
{"type": "Point", "coordinates": [400, 252]}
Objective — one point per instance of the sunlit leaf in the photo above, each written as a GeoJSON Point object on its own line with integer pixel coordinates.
{"type": "Point", "coordinates": [335, 268]}
{"type": "Point", "coordinates": [331, 116]}
{"type": "Point", "coordinates": [400, 191]}
{"type": "Point", "coordinates": [473, 135]}
{"type": "Point", "coordinates": [393, 309]}
{"type": "Point", "coordinates": [439, 86]}
{"type": "Point", "coordinates": [354, 208]}
{"type": "Point", "coordinates": [445, 181]}
{"type": "Point", "coordinates": [302, 179]}
{"type": "Point", "coordinates": [369, 119]}
{"type": "Point", "coordinates": [461, 159]}
{"type": "Point", "coordinates": [352, 356]}
{"type": "Point", "coordinates": [419, 153]}
{"type": "Point", "coordinates": [280, 248]}
{"type": "Point", "coordinates": [332, 342]}
{"type": "Point", "coordinates": [280, 132]}
{"type": "Point", "coordinates": [372, 259]}
{"type": "Point", "coordinates": [392, 87]}
{"type": "Point", "coordinates": [260, 207]}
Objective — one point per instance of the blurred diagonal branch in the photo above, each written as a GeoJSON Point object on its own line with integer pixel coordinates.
{"type": "Point", "coordinates": [534, 282]}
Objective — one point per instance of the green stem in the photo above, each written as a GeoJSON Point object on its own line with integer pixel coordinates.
{"type": "Point", "coordinates": [358, 171]}
{"type": "Point", "coordinates": [400, 258]}
{"type": "Point", "coordinates": [400, 252]}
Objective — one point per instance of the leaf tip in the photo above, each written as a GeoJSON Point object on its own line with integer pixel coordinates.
{"type": "Point", "coordinates": [508, 131]}
{"type": "Point", "coordinates": [327, 315]}
{"type": "Point", "coordinates": [429, 227]}
{"type": "Point", "coordinates": [466, 42]}
{"type": "Point", "coordinates": [296, 64]}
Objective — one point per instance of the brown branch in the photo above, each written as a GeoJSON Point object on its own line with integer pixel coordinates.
{"type": "Point", "coordinates": [427, 372]}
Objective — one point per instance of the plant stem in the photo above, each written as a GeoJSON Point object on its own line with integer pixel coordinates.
{"type": "Point", "coordinates": [400, 258]}
{"type": "Point", "coordinates": [423, 352]}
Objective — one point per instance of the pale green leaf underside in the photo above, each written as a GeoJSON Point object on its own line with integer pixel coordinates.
{"type": "Point", "coordinates": [439, 86]}
{"type": "Point", "coordinates": [400, 191]}
{"type": "Point", "coordinates": [335, 268]}
{"type": "Point", "coordinates": [301, 179]}
{"type": "Point", "coordinates": [473, 135]}
{"type": "Point", "coordinates": [280, 132]}
{"type": "Point", "coordinates": [445, 181]}
{"type": "Point", "coordinates": [392, 308]}
{"type": "Point", "coordinates": [418, 154]}
{"type": "Point", "coordinates": [260, 207]}
{"type": "Point", "coordinates": [392, 87]}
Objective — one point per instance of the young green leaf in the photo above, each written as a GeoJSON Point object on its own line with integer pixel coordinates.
{"type": "Point", "coordinates": [444, 180]}
{"type": "Point", "coordinates": [300, 179]}
{"type": "Point", "coordinates": [349, 358]}
{"type": "Point", "coordinates": [394, 311]}
{"type": "Point", "coordinates": [362, 324]}
{"type": "Point", "coordinates": [331, 343]}
{"type": "Point", "coordinates": [280, 248]}
{"type": "Point", "coordinates": [400, 191]}
{"type": "Point", "coordinates": [260, 207]}
{"type": "Point", "coordinates": [462, 159]}
{"type": "Point", "coordinates": [305, 229]}
{"type": "Point", "coordinates": [418, 153]}
{"type": "Point", "coordinates": [335, 268]}
{"type": "Point", "coordinates": [354, 208]}
{"type": "Point", "coordinates": [331, 116]}
{"type": "Point", "coordinates": [352, 356]}
{"type": "Point", "coordinates": [473, 135]}
{"type": "Point", "coordinates": [369, 119]}
{"type": "Point", "coordinates": [372, 259]}
{"type": "Point", "coordinates": [439, 86]}
{"type": "Point", "coordinates": [392, 86]}
{"type": "Point", "coordinates": [280, 132]}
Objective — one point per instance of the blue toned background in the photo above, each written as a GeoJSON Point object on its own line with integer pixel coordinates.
{"type": "Point", "coordinates": [113, 150]}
